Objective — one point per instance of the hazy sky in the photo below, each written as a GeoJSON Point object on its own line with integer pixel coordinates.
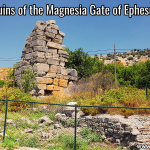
{"type": "Point", "coordinates": [89, 32]}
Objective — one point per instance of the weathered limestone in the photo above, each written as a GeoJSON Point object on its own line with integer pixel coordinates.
{"type": "Point", "coordinates": [45, 54]}
{"type": "Point", "coordinates": [127, 132]}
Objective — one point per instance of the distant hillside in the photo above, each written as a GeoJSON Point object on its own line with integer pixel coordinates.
{"type": "Point", "coordinates": [3, 72]}
{"type": "Point", "coordinates": [128, 58]}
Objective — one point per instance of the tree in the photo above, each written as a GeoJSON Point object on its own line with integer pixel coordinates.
{"type": "Point", "coordinates": [83, 63]}
{"type": "Point", "coordinates": [28, 82]}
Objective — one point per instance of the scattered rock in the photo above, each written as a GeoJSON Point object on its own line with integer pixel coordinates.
{"type": "Point", "coordinates": [9, 121]}
{"type": "Point", "coordinates": [46, 120]}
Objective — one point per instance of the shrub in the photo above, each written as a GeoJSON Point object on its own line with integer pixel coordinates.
{"type": "Point", "coordinates": [91, 137]}
{"type": "Point", "coordinates": [52, 116]}
{"type": "Point", "coordinates": [108, 58]}
{"type": "Point", "coordinates": [28, 141]}
{"type": "Point", "coordinates": [2, 83]}
{"type": "Point", "coordinates": [14, 93]}
{"type": "Point", "coordinates": [11, 77]}
{"type": "Point", "coordinates": [28, 82]}
{"type": "Point", "coordinates": [9, 142]}
{"type": "Point", "coordinates": [130, 58]}
{"type": "Point", "coordinates": [126, 112]}
{"type": "Point", "coordinates": [68, 140]}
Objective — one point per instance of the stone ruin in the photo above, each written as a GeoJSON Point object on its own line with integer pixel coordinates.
{"type": "Point", "coordinates": [44, 54]}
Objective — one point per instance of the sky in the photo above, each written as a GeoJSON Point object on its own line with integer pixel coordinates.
{"type": "Point", "coordinates": [94, 33]}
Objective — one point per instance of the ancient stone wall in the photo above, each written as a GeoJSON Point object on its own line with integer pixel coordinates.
{"type": "Point", "coordinates": [127, 132]}
{"type": "Point", "coordinates": [45, 54]}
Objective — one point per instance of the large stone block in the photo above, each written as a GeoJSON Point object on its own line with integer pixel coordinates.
{"type": "Point", "coordinates": [62, 34]}
{"type": "Point", "coordinates": [56, 88]}
{"type": "Point", "coordinates": [40, 48]}
{"type": "Point", "coordinates": [49, 55]}
{"type": "Point", "coordinates": [55, 56]}
{"type": "Point", "coordinates": [28, 44]}
{"type": "Point", "coordinates": [38, 60]}
{"type": "Point", "coordinates": [27, 50]}
{"type": "Point", "coordinates": [63, 59]}
{"type": "Point", "coordinates": [41, 37]}
{"type": "Point", "coordinates": [43, 80]}
{"type": "Point", "coordinates": [71, 78]}
{"type": "Point", "coordinates": [41, 67]}
{"type": "Point", "coordinates": [54, 69]}
{"type": "Point", "coordinates": [53, 61]}
{"type": "Point", "coordinates": [41, 74]}
{"type": "Point", "coordinates": [53, 26]}
{"type": "Point", "coordinates": [62, 63]}
{"type": "Point", "coordinates": [39, 54]}
{"type": "Point", "coordinates": [59, 76]}
{"type": "Point", "coordinates": [50, 22]}
{"type": "Point", "coordinates": [25, 68]}
{"type": "Point", "coordinates": [37, 32]}
{"type": "Point", "coordinates": [41, 86]}
{"type": "Point", "coordinates": [50, 34]}
{"type": "Point", "coordinates": [72, 72]}
{"type": "Point", "coordinates": [64, 71]}
{"type": "Point", "coordinates": [41, 92]}
{"type": "Point", "coordinates": [17, 71]}
{"type": "Point", "coordinates": [50, 30]}
{"type": "Point", "coordinates": [51, 75]}
{"type": "Point", "coordinates": [66, 77]}
{"type": "Point", "coordinates": [55, 45]}
{"type": "Point", "coordinates": [38, 42]}
{"type": "Point", "coordinates": [55, 81]}
{"type": "Point", "coordinates": [28, 56]}
{"type": "Point", "coordinates": [59, 41]}
{"type": "Point", "coordinates": [64, 56]}
{"type": "Point", "coordinates": [40, 25]}
{"type": "Point", "coordinates": [63, 52]}
{"type": "Point", "coordinates": [52, 45]}
{"type": "Point", "coordinates": [59, 69]}
{"type": "Point", "coordinates": [50, 87]}
{"type": "Point", "coordinates": [63, 83]}
{"type": "Point", "coordinates": [52, 50]}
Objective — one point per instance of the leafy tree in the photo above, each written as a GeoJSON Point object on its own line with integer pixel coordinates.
{"type": "Point", "coordinates": [28, 82]}
{"type": "Point", "coordinates": [83, 63]}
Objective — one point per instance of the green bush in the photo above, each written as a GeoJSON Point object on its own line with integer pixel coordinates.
{"type": "Point", "coordinates": [11, 77]}
{"type": "Point", "coordinates": [28, 141]}
{"type": "Point", "coordinates": [2, 83]}
{"type": "Point", "coordinates": [130, 58]}
{"type": "Point", "coordinates": [9, 142]}
{"type": "Point", "coordinates": [28, 82]}
{"type": "Point", "coordinates": [52, 116]}
{"type": "Point", "coordinates": [91, 137]}
{"type": "Point", "coordinates": [108, 58]}
{"type": "Point", "coordinates": [68, 140]}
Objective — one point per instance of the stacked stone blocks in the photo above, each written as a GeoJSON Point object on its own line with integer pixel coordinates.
{"type": "Point", "coordinates": [45, 54]}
